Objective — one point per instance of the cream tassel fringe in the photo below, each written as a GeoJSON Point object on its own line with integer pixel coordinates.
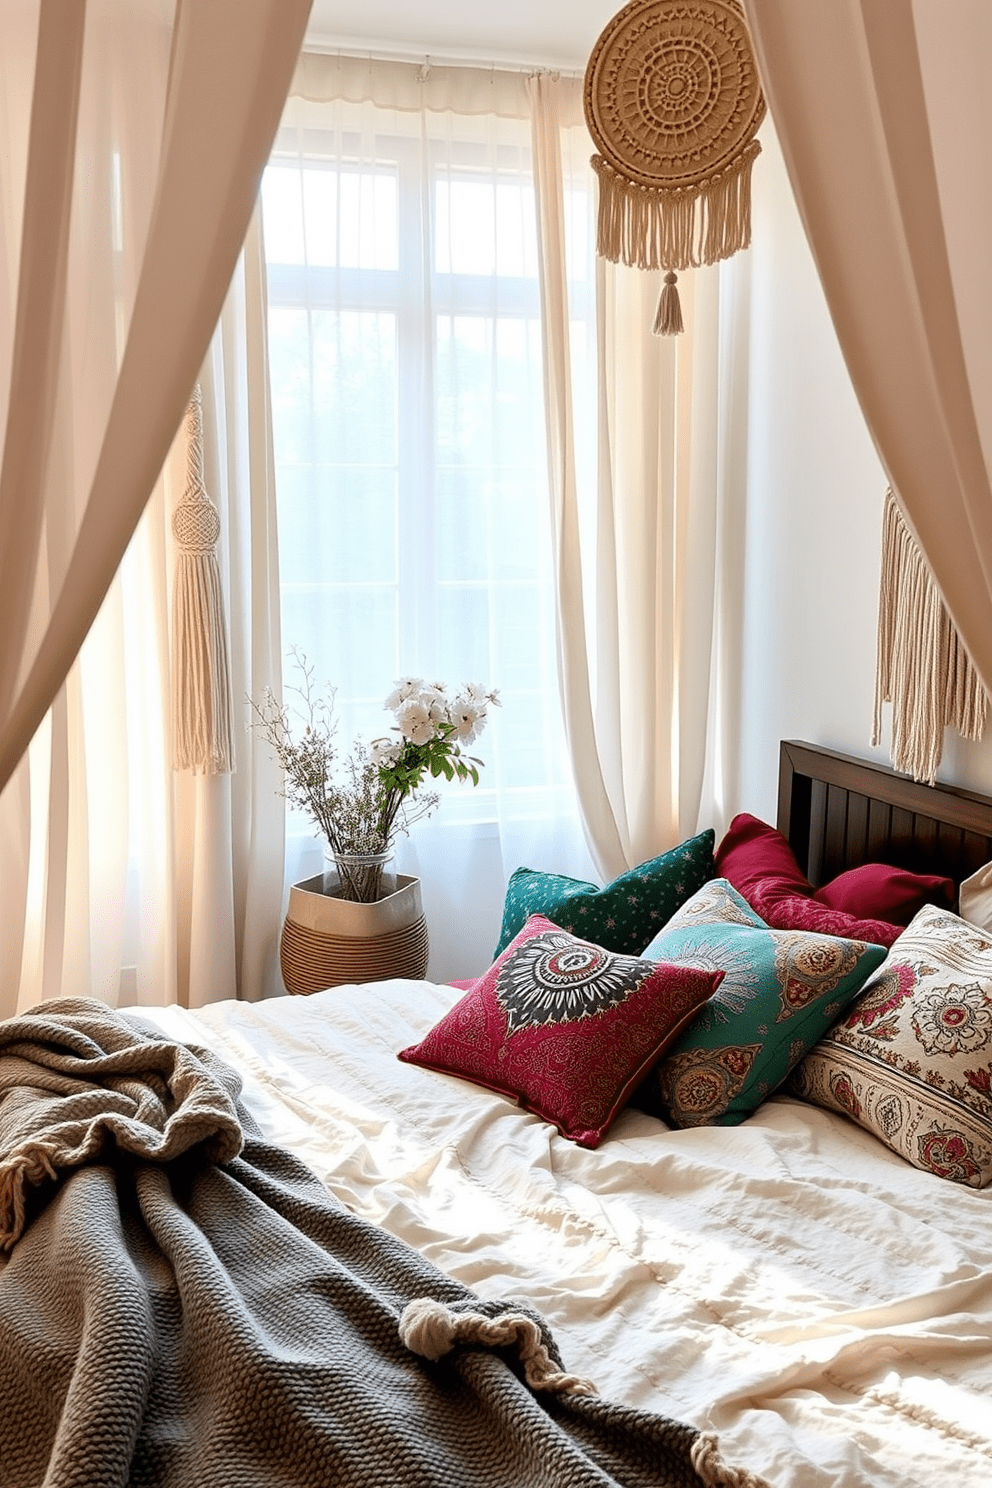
{"type": "Point", "coordinates": [921, 667]}
{"type": "Point", "coordinates": [681, 228]}
{"type": "Point", "coordinates": [202, 727]}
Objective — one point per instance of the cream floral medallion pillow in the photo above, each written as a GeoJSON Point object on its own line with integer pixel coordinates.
{"type": "Point", "coordinates": [911, 1059]}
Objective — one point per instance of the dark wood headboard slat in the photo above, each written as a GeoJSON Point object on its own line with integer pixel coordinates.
{"type": "Point", "coordinates": [839, 812]}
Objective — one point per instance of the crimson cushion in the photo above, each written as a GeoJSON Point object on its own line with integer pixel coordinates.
{"type": "Point", "coordinates": [755, 857]}
{"type": "Point", "coordinates": [892, 894]}
{"type": "Point", "coordinates": [758, 861]}
{"type": "Point", "coordinates": [565, 1027]}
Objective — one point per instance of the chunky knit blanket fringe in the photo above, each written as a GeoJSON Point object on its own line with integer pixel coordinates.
{"type": "Point", "coordinates": [183, 1305]}
{"type": "Point", "coordinates": [921, 666]}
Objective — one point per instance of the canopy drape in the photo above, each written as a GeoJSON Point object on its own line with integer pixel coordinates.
{"type": "Point", "coordinates": [884, 114]}
{"type": "Point", "coordinates": [188, 99]}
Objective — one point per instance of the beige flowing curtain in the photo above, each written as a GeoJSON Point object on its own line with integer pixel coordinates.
{"type": "Point", "coordinates": [884, 114]}
{"type": "Point", "coordinates": [131, 140]}
{"type": "Point", "coordinates": [645, 514]}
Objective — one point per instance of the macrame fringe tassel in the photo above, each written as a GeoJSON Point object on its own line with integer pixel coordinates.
{"type": "Point", "coordinates": [681, 228]}
{"type": "Point", "coordinates": [668, 321]}
{"type": "Point", "coordinates": [202, 725]}
{"type": "Point", "coordinates": [921, 666]}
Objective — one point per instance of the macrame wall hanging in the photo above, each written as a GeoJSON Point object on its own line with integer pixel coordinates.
{"type": "Point", "coordinates": [673, 102]}
{"type": "Point", "coordinates": [921, 667]}
{"type": "Point", "coordinates": [202, 731]}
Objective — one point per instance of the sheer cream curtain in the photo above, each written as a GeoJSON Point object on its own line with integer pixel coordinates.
{"type": "Point", "coordinates": [885, 118]}
{"type": "Point", "coordinates": [131, 138]}
{"type": "Point", "coordinates": [139, 884]}
{"type": "Point", "coordinates": [405, 340]}
{"type": "Point", "coordinates": [645, 518]}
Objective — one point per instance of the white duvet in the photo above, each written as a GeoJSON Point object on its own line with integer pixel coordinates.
{"type": "Point", "coordinates": [788, 1283]}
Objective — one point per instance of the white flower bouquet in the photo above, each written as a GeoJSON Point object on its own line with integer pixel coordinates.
{"type": "Point", "coordinates": [360, 805]}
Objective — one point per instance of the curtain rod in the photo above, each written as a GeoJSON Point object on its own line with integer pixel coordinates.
{"type": "Point", "coordinates": [401, 52]}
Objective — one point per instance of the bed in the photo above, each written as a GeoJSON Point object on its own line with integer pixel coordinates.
{"type": "Point", "coordinates": [790, 1283]}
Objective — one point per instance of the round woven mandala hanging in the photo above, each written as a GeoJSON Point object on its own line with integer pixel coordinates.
{"type": "Point", "coordinates": [673, 102]}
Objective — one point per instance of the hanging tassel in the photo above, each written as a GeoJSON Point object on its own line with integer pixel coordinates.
{"type": "Point", "coordinates": [202, 729]}
{"type": "Point", "coordinates": [668, 321]}
{"type": "Point", "coordinates": [921, 666]}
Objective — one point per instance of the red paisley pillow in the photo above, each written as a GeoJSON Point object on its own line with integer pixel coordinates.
{"type": "Point", "coordinates": [565, 1027]}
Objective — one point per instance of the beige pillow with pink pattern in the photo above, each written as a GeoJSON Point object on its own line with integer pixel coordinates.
{"type": "Point", "coordinates": [911, 1059]}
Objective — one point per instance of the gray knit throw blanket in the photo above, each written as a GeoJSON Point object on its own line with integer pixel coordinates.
{"type": "Point", "coordinates": [182, 1304]}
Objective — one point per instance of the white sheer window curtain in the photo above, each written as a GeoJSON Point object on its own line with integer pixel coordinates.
{"type": "Point", "coordinates": [647, 519]}
{"type": "Point", "coordinates": [411, 473]}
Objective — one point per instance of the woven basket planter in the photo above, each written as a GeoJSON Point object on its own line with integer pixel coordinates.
{"type": "Point", "coordinates": [330, 942]}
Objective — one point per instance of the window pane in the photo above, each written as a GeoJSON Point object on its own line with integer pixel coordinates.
{"type": "Point", "coordinates": [489, 399]}
{"type": "Point", "coordinates": [336, 523]}
{"type": "Point", "coordinates": [354, 387]}
{"type": "Point", "coordinates": [369, 225]}
{"type": "Point", "coordinates": [485, 227]}
{"type": "Point", "coordinates": [282, 208]}
{"type": "Point", "coordinates": [289, 377]}
{"type": "Point", "coordinates": [487, 522]}
{"type": "Point", "coordinates": [348, 635]}
{"type": "Point", "coordinates": [330, 218]}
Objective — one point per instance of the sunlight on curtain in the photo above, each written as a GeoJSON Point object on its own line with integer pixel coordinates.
{"type": "Point", "coordinates": [140, 885]}
{"type": "Point", "coordinates": [405, 346]}
{"type": "Point", "coordinates": [132, 133]}
{"type": "Point", "coordinates": [647, 523]}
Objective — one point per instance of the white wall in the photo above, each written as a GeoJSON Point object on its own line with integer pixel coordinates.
{"type": "Point", "coordinates": [815, 489]}
{"type": "Point", "coordinates": [524, 33]}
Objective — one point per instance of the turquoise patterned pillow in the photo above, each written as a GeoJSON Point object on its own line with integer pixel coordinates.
{"type": "Point", "coordinates": [623, 916]}
{"type": "Point", "coordinates": [781, 991]}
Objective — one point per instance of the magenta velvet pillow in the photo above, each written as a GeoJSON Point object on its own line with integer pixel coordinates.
{"type": "Point", "coordinates": [758, 861]}
{"type": "Point", "coordinates": [565, 1027]}
{"type": "Point", "coordinates": [892, 894]}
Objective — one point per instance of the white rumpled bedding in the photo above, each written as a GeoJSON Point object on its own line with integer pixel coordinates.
{"type": "Point", "coordinates": [788, 1283]}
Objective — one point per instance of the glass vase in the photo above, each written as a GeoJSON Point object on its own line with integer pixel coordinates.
{"type": "Point", "coordinates": [363, 878]}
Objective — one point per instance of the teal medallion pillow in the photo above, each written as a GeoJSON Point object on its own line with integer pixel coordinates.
{"type": "Point", "coordinates": [781, 992]}
{"type": "Point", "coordinates": [625, 914]}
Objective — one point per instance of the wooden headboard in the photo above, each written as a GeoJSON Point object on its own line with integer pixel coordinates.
{"type": "Point", "coordinates": [839, 812]}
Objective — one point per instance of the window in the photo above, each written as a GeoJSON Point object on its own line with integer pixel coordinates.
{"type": "Point", "coordinates": [407, 393]}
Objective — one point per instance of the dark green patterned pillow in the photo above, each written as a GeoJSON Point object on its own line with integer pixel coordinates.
{"type": "Point", "coordinates": [624, 915]}
{"type": "Point", "coordinates": [781, 991]}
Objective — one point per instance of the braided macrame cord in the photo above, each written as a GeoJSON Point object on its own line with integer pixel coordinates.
{"type": "Point", "coordinates": [202, 713]}
{"type": "Point", "coordinates": [922, 667]}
